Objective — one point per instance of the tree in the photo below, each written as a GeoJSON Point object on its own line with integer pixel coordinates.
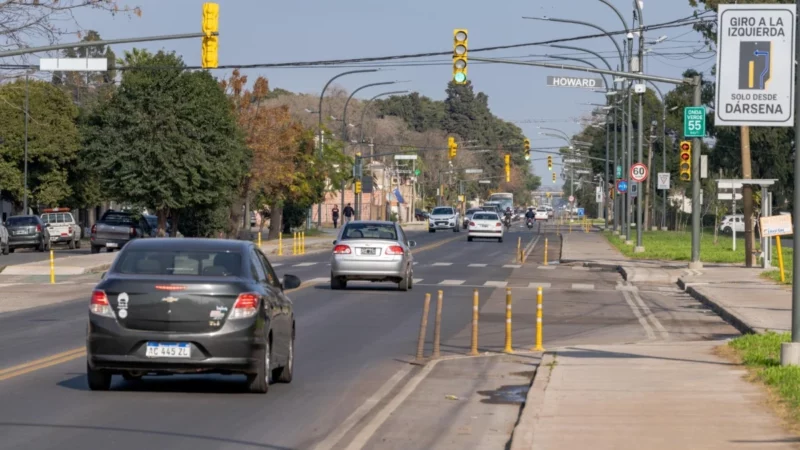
{"type": "Point", "coordinates": [167, 140]}
{"type": "Point", "coordinates": [52, 141]}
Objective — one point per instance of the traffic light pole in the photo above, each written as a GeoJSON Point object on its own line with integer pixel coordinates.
{"type": "Point", "coordinates": [695, 263]}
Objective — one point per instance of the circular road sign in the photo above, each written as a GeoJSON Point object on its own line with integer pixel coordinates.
{"type": "Point", "coordinates": [622, 186]}
{"type": "Point", "coordinates": [639, 172]}
{"type": "Point", "coordinates": [571, 198]}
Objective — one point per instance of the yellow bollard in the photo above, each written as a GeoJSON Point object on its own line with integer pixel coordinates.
{"type": "Point", "coordinates": [303, 243]}
{"type": "Point", "coordinates": [259, 239]}
{"type": "Point", "coordinates": [538, 347]}
{"type": "Point", "coordinates": [780, 258]}
{"type": "Point", "coordinates": [474, 350]}
{"type": "Point", "coordinates": [294, 242]}
{"type": "Point", "coordinates": [508, 348]}
{"type": "Point", "coordinates": [280, 244]}
{"type": "Point", "coordinates": [545, 251]}
{"type": "Point", "coordinates": [437, 326]}
{"type": "Point", "coordinates": [570, 226]}
{"type": "Point", "coordinates": [52, 268]}
{"type": "Point", "coordinates": [423, 328]}
{"type": "Point", "coordinates": [519, 246]}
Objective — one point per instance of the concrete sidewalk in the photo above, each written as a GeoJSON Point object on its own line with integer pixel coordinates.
{"type": "Point", "coordinates": [651, 396]}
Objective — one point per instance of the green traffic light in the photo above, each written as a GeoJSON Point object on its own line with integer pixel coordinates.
{"type": "Point", "coordinates": [527, 157]}
{"type": "Point", "coordinates": [460, 77]}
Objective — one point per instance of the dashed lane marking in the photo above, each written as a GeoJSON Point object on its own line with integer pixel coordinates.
{"type": "Point", "coordinates": [546, 267]}
{"type": "Point", "coordinates": [537, 285]}
{"type": "Point", "coordinates": [441, 264]}
{"type": "Point", "coordinates": [417, 280]}
{"type": "Point", "coordinates": [499, 284]}
{"type": "Point", "coordinates": [277, 264]}
{"type": "Point", "coordinates": [305, 264]}
{"type": "Point", "coordinates": [477, 265]}
{"type": "Point", "coordinates": [511, 266]}
{"type": "Point", "coordinates": [582, 286]}
{"type": "Point", "coordinates": [452, 282]}
{"type": "Point", "coordinates": [581, 268]}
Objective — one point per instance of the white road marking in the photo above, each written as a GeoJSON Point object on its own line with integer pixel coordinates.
{"type": "Point", "coordinates": [536, 285]}
{"type": "Point", "coordinates": [645, 324]}
{"type": "Point", "coordinates": [415, 263]}
{"type": "Point", "coordinates": [546, 267]}
{"type": "Point", "coordinates": [277, 264]}
{"type": "Point", "coordinates": [305, 264]}
{"type": "Point", "coordinates": [361, 439]}
{"type": "Point", "coordinates": [452, 282]}
{"type": "Point", "coordinates": [649, 314]}
{"type": "Point", "coordinates": [332, 439]}
{"type": "Point", "coordinates": [417, 280]}
{"type": "Point", "coordinates": [477, 265]}
{"type": "Point", "coordinates": [581, 268]}
{"type": "Point", "coordinates": [442, 264]}
{"type": "Point", "coordinates": [319, 280]}
{"type": "Point", "coordinates": [582, 286]}
{"type": "Point", "coordinates": [499, 284]}
{"type": "Point", "coordinates": [511, 266]}
{"type": "Point", "coordinates": [668, 289]}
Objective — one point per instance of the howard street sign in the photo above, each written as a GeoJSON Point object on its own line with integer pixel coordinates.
{"type": "Point", "coordinates": [694, 121]}
{"type": "Point", "coordinates": [755, 65]}
{"type": "Point", "coordinates": [663, 181]}
{"type": "Point", "coordinates": [576, 82]}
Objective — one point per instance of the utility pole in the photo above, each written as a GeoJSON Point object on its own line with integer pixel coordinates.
{"type": "Point", "coordinates": [648, 183]}
{"type": "Point", "coordinates": [695, 262]}
{"type": "Point", "coordinates": [747, 197]}
{"type": "Point", "coordinates": [25, 182]}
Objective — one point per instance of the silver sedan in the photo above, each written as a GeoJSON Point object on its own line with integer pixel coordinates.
{"type": "Point", "coordinates": [372, 251]}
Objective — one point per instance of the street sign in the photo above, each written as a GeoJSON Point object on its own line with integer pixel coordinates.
{"type": "Point", "coordinates": [576, 82]}
{"type": "Point", "coordinates": [572, 161]}
{"type": "Point", "coordinates": [634, 190]}
{"type": "Point", "coordinates": [728, 196]}
{"type": "Point", "coordinates": [755, 65]}
{"type": "Point", "coordinates": [619, 171]}
{"type": "Point", "coordinates": [571, 198]}
{"type": "Point", "coordinates": [663, 181]}
{"type": "Point", "coordinates": [622, 186]}
{"type": "Point", "coordinates": [694, 121]}
{"type": "Point", "coordinates": [485, 181]}
{"type": "Point", "coordinates": [583, 171]}
{"type": "Point", "coordinates": [598, 194]}
{"type": "Point", "coordinates": [74, 64]}
{"type": "Point", "coordinates": [779, 225]}
{"type": "Point", "coordinates": [405, 156]}
{"type": "Point", "coordinates": [581, 212]}
{"type": "Point", "coordinates": [474, 171]}
{"type": "Point", "coordinates": [703, 166]}
{"type": "Point", "coordinates": [417, 172]}
{"type": "Point", "coordinates": [639, 172]}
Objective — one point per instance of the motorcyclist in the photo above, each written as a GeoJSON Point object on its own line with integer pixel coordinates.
{"type": "Point", "coordinates": [508, 215]}
{"type": "Point", "coordinates": [530, 214]}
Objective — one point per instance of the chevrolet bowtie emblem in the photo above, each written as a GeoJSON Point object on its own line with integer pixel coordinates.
{"type": "Point", "coordinates": [169, 299]}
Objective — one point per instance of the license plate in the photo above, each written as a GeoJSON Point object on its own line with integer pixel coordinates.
{"type": "Point", "coordinates": [483, 225]}
{"type": "Point", "coordinates": [168, 350]}
{"type": "Point", "coordinates": [112, 245]}
{"type": "Point", "coordinates": [367, 251]}
{"type": "Point", "coordinates": [18, 233]}
{"type": "Point", "coordinates": [53, 238]}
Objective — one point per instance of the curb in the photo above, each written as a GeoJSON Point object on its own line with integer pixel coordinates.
{"type": "Point", "coordinates": [728, 316]}
{"type": "Point", "coordinates": [522, 436]}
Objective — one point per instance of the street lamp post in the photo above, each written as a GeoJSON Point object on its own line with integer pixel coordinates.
{"type": "Point", "coordinates": [639, 248]}
{"type": "Point", "coordinates": [321, 97]}
{"type": "Point", "coordinates": [25, 176]}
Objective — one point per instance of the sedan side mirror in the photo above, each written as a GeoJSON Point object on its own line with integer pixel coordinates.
{"type": "Point", "coordinates": [291, 282]}
{"type": "Point", "coordinates": [412, 244]}
{"type": "Point", "coordinates": [335, 241]}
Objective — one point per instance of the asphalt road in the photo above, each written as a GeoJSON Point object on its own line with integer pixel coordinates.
{"type": "Point", "coordinates": [25, 255]}
{"type": "Point", "coordinates": [349, 343]}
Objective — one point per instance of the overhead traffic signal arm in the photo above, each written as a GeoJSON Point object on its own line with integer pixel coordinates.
{"type": "Point", "coordinates": [209, 50]}
{"type": "Point", "coordinates": [685, 162]}
{"type": "Point", "coordinates": [460, 56]}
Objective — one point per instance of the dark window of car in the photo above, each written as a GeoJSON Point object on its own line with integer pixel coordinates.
{"type": "Point", "coordinates": [370, 231]}
{"type": "Point", "coordinates": [259, 272]}
{"type": "Point", "coordinates": [442, 211]}
{"type": "Point", "coordinates": [272, 277]}
{"type": "Point", "coordinates": [119, 219]}
{"type": "Point", "coordinates": [180, 263]}
{"type": "Point", "coordinates": [485, 216]}
{"type": "Point", "coordinates": [22, 221]}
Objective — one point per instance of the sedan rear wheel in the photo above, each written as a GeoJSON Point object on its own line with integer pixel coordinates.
{"type": "Point", "coordinates": [469, 238]}
{"type": "Point", "coordinates": [258, 383]}
{"type": "Point", "coordinates": [98, 380]}
{"type": "Point", "coordinates": [285, 374]}
{"type": "Point", "coordinates": [6, 250]}
{"type": "Point", "coordinates": [404, 285]}
{"type": "Point", "coordinates": [338, 282]}
{"type": "Point", "coordinates": [72, 245]}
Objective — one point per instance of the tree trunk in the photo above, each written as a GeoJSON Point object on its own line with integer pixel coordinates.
{"type": "Point", "coordinates": [275, 220]}
{"type": "Point", "coordinates": [176, 215]}
{"type": "Point", "coordinates": [162, 214]}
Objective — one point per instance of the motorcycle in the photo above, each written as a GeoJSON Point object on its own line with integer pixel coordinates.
{"type": "Point", "coordinates": [530, 223]}
{"type": "Point", "coordinates": [507, 222]}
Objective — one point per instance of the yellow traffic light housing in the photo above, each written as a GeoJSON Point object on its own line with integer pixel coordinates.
{"type": "Point", "coordinates": [460, 56]}
{"type": "Point", "coordinates": [358, 187]}
{"type": "Point", "coordinates": [508, 167]}
{"type": "Point", "coordinates": [452, 148]}
{"type": "Point", "coordinates": [550, 163]}
{"type": "Point", "coordinates": [527, 149]}
{"type": "Point", "coordinates": [554, 177]}
{"type": "Point", "coordinates": [210, 46]}
{"type": "Point", "coordinates": [685, 161]}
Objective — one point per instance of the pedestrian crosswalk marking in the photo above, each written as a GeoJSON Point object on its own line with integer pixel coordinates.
{"type": "Point", "coordinates": [442, 264]}
{"type": "Point", "coordinates": [581, 286]}
{"type": "Point", "coordinates": [305, 264]}
{"type": "Point", "coordinates": [511, 266]}
{"type": "Point", "coordinates": [452, 282]}
{"type": "Point", "coordinates": [536, 285]}
{"type": "Point", "coordinates": [546, 267]}
{"type": "Point", "coordinates": [499, 284]}
{"type": "Point", "coordinates": [477, 265]}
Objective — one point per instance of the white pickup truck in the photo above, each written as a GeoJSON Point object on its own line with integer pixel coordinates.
{"type": "Point", "coordinates": [62, 225]}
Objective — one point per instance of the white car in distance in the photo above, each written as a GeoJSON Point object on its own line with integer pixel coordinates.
{"type": "Point", "coordinates": [541, 214]}
{"type": "Point", "coordinates": [485, 225]}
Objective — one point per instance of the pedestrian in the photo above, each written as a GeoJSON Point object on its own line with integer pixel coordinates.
{"type": "Point", "coordinates": [348, 213]}
{"type": "Point", "coordinates": [335, 215]}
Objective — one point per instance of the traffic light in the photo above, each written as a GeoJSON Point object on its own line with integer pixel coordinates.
{"type": "Point", "coordinates": [452, 148]}
{"type": "Point", "coordinates": [527, 145]}
{"type": "Point", "coordinates": [210, 45]}
{"type": "Point", "coordinates": [686, 161]}
{"type": "Point", "coordinates": [550, 163]}
{"type": "Point", "coordinates": [508, 167]}
{"type": "Point", "coordinates": [554, 177]}
{"type": "Point", "coordinates": [460, 56]}
{"type": "Point", "coordinates": [358, 187]}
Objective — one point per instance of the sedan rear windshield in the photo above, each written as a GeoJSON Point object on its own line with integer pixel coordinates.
{"type": "Point", "coordinates": [484, 216]}
{"type": "Point", "coordinates": [442, 211]}
{"type": "Point", "coordinates": [118, 219]}
{"type": "Point", "coordinates": [21, 221]}
{"type": "Point", "coordinates": [180, 263]}
{"type": "Point", "coordinates": [370, 231]}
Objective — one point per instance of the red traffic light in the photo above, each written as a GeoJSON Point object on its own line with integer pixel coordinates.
{"type": "Point", "coordinates": [685, 156]}
{"type": "Point", "coordinates": [685, 146]}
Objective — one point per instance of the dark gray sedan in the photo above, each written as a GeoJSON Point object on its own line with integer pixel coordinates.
{"type": "Point", "coordinates": [171, 306]}
{"type": "Point", "coordinates": [27, 232]}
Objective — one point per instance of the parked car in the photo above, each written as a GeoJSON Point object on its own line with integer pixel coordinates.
{"type": "Point", "coordinates": [421, 215]}
{"type": "Point", "coordinates": [175, 306]}
{"type": "Point", "coordinates": [372, 251]}
{"type": "Point", "coordinates": [732, 222]}
{"type": "Point", "coordinates": [117, 228]}
{"type": "Point", "coordinates": [444, 218]}
{"type": "Point", "coordinates": [3, 240]}
{"type": "Point", "coordinates": [63, 228]}
{"type": "Point", "coordinates": [27, 232]}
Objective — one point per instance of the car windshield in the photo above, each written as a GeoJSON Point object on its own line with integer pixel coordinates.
{"type": "Point", "coordinates": [180, 263]}
{"type": "Point", "coordinates": [484, 216]}
{"type": "Point", "coordinates": [21, 221]}
{"type": "Point", "coordinates": [118, 219]}
{"type": "Point", "coordinates": [370, 231]}
{"type": "Point", "coordinates": [442, 211]}
{"type": "Point", "coordinates": [473, 211]}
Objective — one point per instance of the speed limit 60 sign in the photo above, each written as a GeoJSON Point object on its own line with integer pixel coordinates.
{"type": "Point", "coordinates": [694, 121]}
{"type": "Point", "coordinates": [639, 172]}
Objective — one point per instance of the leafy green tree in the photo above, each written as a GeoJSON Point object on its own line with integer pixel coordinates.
{"type": "Point", "coordinates": [52, 141]}
{"type": "Point", "coordinates": [167, 139]}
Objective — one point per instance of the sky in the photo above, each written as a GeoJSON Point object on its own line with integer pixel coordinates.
{"type": "Point", "coordinates": [260, 31]}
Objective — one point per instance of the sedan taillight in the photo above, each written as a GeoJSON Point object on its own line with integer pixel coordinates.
{"type": "Point", "coordinates": [472, 224]}
{"type": "Point", "coordinates": [94, 228]}
{"type": "Point", "coordinates": [498, 224]}
{"type": "Point", "coordinates": [38, 228]}
{"type": "Point", "coordinates": [99, 304]}
{"type": "Point", "coordinates": [341, 250]}
{"type": "Point", "coordinates": [246, 306]}
{"type": "Point", "coordinates": [394, 250]}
